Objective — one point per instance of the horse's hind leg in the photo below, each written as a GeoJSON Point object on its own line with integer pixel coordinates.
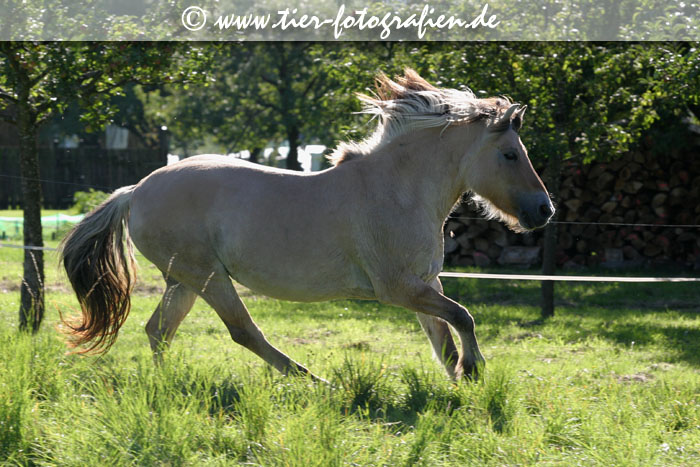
{"type": "Point", "coordinates": [221, 295]}
{"type": "Point", "coordinates": [177, 301]}
{"type": "Point", "coordinates": [440, 337]}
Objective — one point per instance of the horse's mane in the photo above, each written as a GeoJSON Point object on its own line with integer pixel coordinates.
{"type": "Point", "coordinates": [411, 103]}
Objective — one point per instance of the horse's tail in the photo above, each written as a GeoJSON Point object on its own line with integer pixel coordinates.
{"type": "Point", "coordinates": [99, 259]}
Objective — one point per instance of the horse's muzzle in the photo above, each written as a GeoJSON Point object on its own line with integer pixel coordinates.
{"type": "Point", "coordinates": [535, 210]}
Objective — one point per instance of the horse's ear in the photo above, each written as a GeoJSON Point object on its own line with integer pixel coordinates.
{"type": "Point", "coordinates": [505, 120]}
{"type": "Point", "coordinates": [517, 121]}
{"type": "Point", "coordinates": [512, 118]}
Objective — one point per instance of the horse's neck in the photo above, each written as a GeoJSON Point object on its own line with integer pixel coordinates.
{"type": "Point", "coordinates": [422, 171]}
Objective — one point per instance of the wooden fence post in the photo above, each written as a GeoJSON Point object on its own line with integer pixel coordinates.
{"type": "Point", "coordinates": [549, 247]}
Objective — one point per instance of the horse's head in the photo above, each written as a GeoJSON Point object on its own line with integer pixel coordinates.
{"type": "Point", "coordinates": [493, 163]}
{"type": "Point", "coordinates": [500, 174]}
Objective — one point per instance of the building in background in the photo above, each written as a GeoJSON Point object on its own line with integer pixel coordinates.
{"type": "Point", "coordinates": [73, 159]}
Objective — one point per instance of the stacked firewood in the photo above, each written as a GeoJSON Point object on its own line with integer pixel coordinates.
{"type": "Point", "coordinates": [641, 188]}
{"type": "Point", "coordinates": [471, 240]}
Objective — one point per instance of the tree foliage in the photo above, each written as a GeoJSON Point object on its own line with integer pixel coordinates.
{"type": "Point", "coordinates": [39, 80]}
{"type": "Point", "coordinates": [258, 93]}
{"type": "Point", "coordinates": [586, 100]}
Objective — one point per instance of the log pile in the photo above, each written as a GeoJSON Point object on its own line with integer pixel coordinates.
{"type": "Point", "coordinates": [640, 188]}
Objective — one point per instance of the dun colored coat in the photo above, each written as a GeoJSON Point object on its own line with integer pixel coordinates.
{"type": "Point", "coordinates": [368, 228]}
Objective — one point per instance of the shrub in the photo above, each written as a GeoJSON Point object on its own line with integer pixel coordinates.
{"type": "Point", "coordinates": [86, 201]}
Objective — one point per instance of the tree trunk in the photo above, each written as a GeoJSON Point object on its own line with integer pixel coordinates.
{"type": "Point", "coordinates": [31, 309]}
{"type": "Point", "coordinates": [293, 155]}
{"type": "Point", "coordinates": [549, 253]}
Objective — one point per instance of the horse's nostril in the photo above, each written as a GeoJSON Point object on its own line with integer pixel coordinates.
{"type": "Point", "coordinates": [546, 211]}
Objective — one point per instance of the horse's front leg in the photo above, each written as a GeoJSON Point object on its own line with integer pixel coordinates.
{"type": "Point", "coordinates": [440, 337]}
{"type": "Point", "coordinates": [418, 296]}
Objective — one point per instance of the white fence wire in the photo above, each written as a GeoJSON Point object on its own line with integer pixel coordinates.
{"type": "Point", "coordinates": [478, 275]}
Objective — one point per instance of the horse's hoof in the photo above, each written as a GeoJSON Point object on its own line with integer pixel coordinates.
{"type": "Point", "coordinates": [319, 380]}
{"type": "Point", "coordinates": [302, 372]}
{"type": "Point", "coordinates": [470, 372]}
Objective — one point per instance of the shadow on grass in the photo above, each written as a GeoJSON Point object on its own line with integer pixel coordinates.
{"type": "Point", "coordinates": [683, 341]}
{"type": "Point", "coordinates": [654, 296]}
{"type": "Point", "coordinates": [621, 313]}
{"type": "Point", "coordinates": [224, 397]}
{"type": "Point", "coordinates": [617, 312]}
{"type": "Point", "coordinates": [367, 393]}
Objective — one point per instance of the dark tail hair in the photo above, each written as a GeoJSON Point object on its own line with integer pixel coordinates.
{"type": "Point", "coordinates": [99, 260]}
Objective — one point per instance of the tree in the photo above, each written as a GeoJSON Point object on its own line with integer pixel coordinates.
{"type": "Point", "coordinates": [604, 97]}
{"type": "Point", "coordinates": [37, 81]}
{"type": "Point", "coordinates": [256, 93]}
{"type": "Point", "coordinates": [280, 91]}
{"type": "Point", "coordinates": [589, 101]}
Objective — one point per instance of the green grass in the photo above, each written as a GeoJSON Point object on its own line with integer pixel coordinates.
{"type": "Point", "coordinates": [613, 379]}
{"type": "Point", "coordinates": [44, 212]}
{"type": "Point", "coordinates": [12, 232]}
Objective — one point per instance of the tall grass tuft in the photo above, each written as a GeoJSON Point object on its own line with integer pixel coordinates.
{"type": "Point", "coordinates": [428, 390]}
{"type": "Point", "coordinates": [364, 383]}
{"type": "Point", "coordinates": [15, 396]}
{"type": "Point", "coordinates": [499, 398]}
{"type": "Point", "coordinates": [253, 411]}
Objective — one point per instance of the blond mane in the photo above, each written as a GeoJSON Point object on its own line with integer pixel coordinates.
{"type": "Point", "coordinates": [410, 103]}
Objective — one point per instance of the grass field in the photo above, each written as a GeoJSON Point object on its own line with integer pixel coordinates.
{"type": "Point", "coordinates": [12, 231]}
{"type": "Point", "coordinates": [613, 379]}
{"type": "Point", "coordinates": [44, 212]}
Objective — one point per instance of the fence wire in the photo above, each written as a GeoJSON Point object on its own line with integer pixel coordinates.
{"type": "Point", "coordinates": [475, 275]}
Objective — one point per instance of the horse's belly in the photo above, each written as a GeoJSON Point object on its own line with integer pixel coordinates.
{"type": "Point", "coordinates": [308, 285]}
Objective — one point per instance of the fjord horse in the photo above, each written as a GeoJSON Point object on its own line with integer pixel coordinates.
{"type": "Point", "coordinates": [371, 227]}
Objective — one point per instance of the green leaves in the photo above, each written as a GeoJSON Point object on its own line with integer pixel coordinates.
{"type": "Point", "coordinates": [589, 100]}
{"type": "Point", "coordinates": [53, 74]}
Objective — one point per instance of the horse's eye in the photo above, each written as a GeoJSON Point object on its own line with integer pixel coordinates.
{"type": "Point", "coordinates": [510, 155]}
